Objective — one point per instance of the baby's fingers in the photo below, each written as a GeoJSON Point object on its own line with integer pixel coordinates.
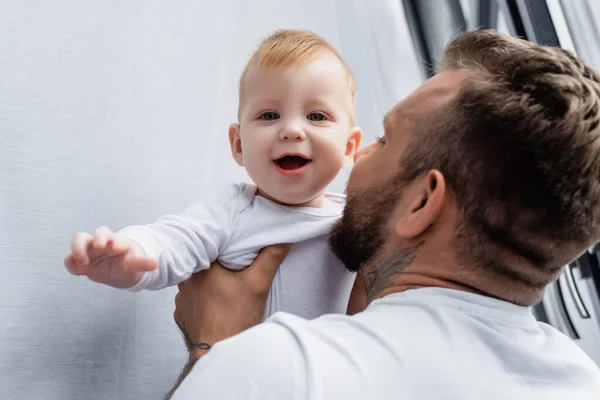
{"type": "Point", "coordinates": [120, 244]}
{"type": "Point", "coordinates": [79, 249]}
{"type": "Point", "coordinates": [72, 267]}
{"type": "Point", "coordinates": [141, 264]}
{"type": "Point", "coordinates": [102, 236]}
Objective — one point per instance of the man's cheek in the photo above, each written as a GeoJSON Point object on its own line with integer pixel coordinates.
{"type": "Point", "coordinates": [359, 177]}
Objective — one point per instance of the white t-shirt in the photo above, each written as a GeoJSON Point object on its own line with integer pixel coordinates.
{"type": "Point", "coordinates": [233, 227]}
{"type": "Point", "coordinates": [425, 344]}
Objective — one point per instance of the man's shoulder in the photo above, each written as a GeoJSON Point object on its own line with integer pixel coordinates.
{"type": "Point", "coordinates": [399, 344]}
{"type": "Point", "coordinates": [279, 334]}
{"type": "Point", "coordinates": [291, 345]}
{"type": "Point", "coordinates": [332, 356]}
{"type": "Point", "coordinates": [278, 340]}
{"type": "Point", "coordinates": [263, 362]}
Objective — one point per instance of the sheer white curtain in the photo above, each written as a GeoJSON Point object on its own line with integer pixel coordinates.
{"type": "Point", "coordinates": [116, 112]}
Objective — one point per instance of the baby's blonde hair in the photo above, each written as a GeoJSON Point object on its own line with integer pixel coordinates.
{"type": "Point", "coordinates": [288, 47]}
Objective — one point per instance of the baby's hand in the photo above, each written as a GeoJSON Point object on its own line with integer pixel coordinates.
{"type": "Point", "coordinates": [108, 258]}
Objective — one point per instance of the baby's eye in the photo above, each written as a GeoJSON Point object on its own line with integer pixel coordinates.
{"type": "Point", "coordinates": [317, 117]}
{"type": "Point", "coordinates": [380, 139]}
{"type": "Point", "coordinates": [269, 116]}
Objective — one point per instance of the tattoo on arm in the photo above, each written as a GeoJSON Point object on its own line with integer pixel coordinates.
{"type": "Point", "coordinates": [379, 280]}
{"type": "Point", "coordinates": [191, 361]}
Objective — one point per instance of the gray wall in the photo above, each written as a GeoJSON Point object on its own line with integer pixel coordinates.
{"type": "Point", "coordinates": [115, 112]}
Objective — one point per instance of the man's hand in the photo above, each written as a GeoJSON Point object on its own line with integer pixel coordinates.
{"type": "Point", "coordinates": [109, 258]}
{"type": "Point", "coordinates": [215, 304]}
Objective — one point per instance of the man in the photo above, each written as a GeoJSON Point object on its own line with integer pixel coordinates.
{"type": "Point", "coordinates": [486, 183]}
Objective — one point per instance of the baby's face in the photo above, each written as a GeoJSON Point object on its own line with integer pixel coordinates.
{"type": "Point", "coordinates": [295, 130]}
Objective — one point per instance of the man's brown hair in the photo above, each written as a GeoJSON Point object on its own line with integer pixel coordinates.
{"type": "Point", "coordinates": [519, 147]}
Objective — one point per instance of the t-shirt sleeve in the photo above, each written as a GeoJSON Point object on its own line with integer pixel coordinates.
{"type": "Point", "coordinates": [187, 243]}
{"type": "Point", "coordinates": [260, 363]}
{"type": "Point", "coordinates": [217, 382]}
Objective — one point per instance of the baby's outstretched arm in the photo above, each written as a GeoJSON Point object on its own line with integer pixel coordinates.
{"type": "Point", "coordinates": [108, 258]}
{"type": "Point", "coordinates": [165, 252]}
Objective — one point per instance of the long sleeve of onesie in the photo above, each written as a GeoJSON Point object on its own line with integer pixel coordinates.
{"type": "Point", "coordinates": [187, 243]}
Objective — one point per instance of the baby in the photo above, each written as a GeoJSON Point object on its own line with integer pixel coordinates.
{"type": "Point", "coordinates": [295, 132]}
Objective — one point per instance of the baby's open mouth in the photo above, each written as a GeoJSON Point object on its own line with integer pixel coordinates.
{"type": "Point", "coordinates": [290, 163]}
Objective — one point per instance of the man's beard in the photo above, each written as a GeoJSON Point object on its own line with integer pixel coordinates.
{"type": "Point", "coordinates": [357, 237]}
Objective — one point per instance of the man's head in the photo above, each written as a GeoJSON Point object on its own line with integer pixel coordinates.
{"type": "Point", "coordinates": [295, 127]}
{"type": "Point", "coordinates": [492, 166]}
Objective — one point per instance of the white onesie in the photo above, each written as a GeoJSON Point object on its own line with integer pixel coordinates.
{"type": "Point", "coordinates": [232, 227]}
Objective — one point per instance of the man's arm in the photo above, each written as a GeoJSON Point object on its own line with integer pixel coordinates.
{"type": "Point", "coordinates": [195, 354]}
{"type": "Point", "coordinates": [217, 304]}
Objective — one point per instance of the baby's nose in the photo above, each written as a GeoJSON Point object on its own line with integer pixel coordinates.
{"type": "Point", "coordinates": [292, 134]}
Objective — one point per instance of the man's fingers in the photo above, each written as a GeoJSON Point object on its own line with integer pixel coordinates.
{"type": "Point", "coordinates": [177, 300]}
{"type": "Point", "coordinates": [79, 248]}
{"type": "Point", "coordinates": [263, 269]}
{"type": "Point", "coordinates": [177, 318]}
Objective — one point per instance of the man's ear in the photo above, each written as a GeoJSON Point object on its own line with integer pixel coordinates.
{"type": "Point", "coordinates": [352, 146]}
{"type": "Point", "coordinates": [236, 143]}
{"type": "Point", "coordinates": [425, 206]}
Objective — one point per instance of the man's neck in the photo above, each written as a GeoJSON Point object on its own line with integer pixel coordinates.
{"type": "Point", "coordinates": [416, 266]}
{"type": "Point", "coordinates": [385, 277]}
{"type": "Point", "coordinates": [410, 268]}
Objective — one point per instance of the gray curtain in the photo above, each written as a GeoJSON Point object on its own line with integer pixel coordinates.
{"type": "Point", "coordinates": [116, 112]}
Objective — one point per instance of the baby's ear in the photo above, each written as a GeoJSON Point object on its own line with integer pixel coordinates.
{"type": "Point", "coordinates": [352, 146]}
{"type": "Point", "coordinates": [236, 143]}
